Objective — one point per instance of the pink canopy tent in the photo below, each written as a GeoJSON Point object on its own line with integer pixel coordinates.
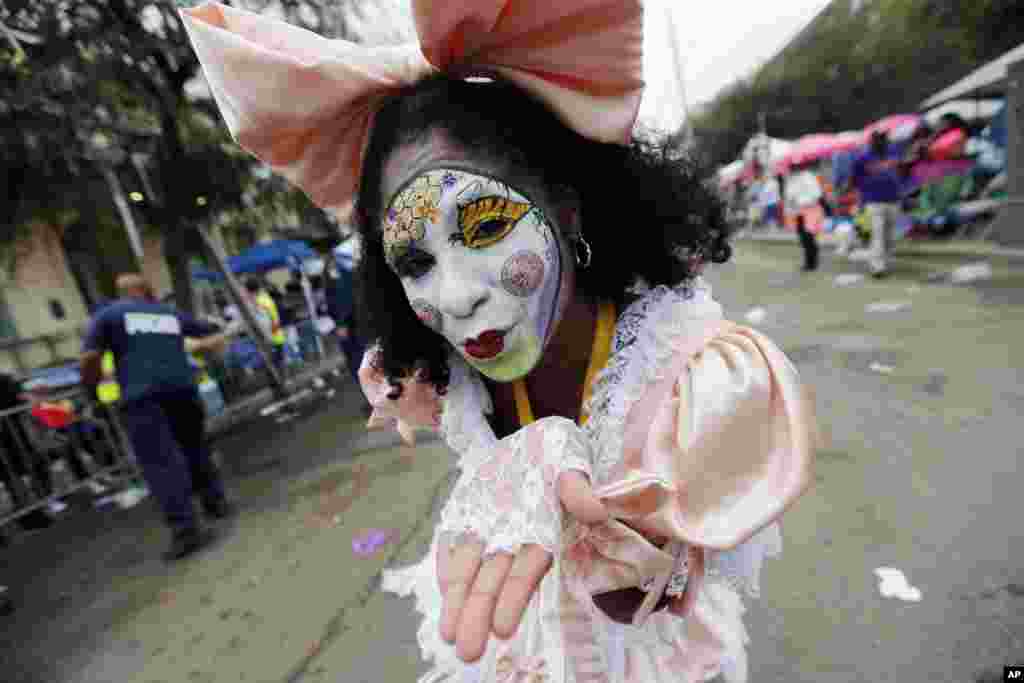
{"type": "Point", "coordinates": [899, 127]}
{"type": "Point", "coordinates": [817, 146]}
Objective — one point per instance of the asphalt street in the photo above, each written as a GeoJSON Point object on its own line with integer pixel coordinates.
{"type": "Point", "coordinates": [919, 394]}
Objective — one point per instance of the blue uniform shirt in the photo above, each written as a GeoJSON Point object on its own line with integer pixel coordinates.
{"type": "Point", "coordinates": [148, 343]}
{"type": "Point", "coordinates": [878, 176]}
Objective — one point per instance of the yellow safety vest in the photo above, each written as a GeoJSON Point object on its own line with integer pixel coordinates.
{"type": "Point", "coordinates": [277, 335]}
{"type": "Point", "coordinates": [108, 390]}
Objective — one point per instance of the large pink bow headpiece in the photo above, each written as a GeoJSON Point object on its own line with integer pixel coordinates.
{"type": "Point", "coordinates": [305, 104]}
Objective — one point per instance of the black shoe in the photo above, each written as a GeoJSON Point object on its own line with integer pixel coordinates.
{"type": "Point", "coordinates": [220, 509]}
{"type": "Point", "coordinates": [187, 541]}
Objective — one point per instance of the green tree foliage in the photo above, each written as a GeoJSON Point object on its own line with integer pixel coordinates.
{"type": "Point", "coordinates": [849, 68]}
{"type": "Point", "coordinates": [92, 84]}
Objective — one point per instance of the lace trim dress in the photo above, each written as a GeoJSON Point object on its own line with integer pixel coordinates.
{"type": "Point", "coordinates": [666, 469]}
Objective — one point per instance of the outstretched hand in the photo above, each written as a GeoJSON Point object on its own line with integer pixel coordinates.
{"type": "Point", "coordinates": [483, 596]}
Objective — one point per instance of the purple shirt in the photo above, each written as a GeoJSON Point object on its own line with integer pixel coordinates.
{"type": "Point", "coordinates": [878, 176]}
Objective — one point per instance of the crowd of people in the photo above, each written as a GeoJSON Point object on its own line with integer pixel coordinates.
{"type": "Point", "coordinates": [927, 182]}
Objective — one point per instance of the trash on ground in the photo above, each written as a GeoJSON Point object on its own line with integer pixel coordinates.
{"type": "Point", "coordinates": [756, 316]}
{"type": "Point", "coordinates": [887, 306]}
{"type": "Point", "coordinates": [882, 369]}
{"type": "Point", "coordinates": [972, 272]}
{"type": "Point", "coordinates": [892, 583]}
{"type": "Point", "coordinates": [371, 541]}
{"type": "Point", "coordinates": [126, 499]}
{"type": "Point", "coordinates": [847, 279]}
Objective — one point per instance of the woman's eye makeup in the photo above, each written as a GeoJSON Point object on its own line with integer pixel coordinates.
{"type": "Point", "coordinates": [411, 262]}
{"type": "Point", "coordinates": [487, 220]}
{"type": "Point", "coordinates": [486, 212]}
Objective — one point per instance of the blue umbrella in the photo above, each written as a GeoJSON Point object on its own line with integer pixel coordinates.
{"type": "Point", "coordinates": [262, 258]}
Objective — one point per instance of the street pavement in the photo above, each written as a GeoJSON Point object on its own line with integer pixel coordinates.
{"type": "Point", "coordinates": [920, 404]}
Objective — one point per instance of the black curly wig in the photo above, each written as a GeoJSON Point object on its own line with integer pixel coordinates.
{"type": "Point", "coordinates": [668, 218]}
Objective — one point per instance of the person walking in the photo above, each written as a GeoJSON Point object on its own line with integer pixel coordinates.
{"type": "Point", "coordinates": [877, 175]}
{"type": "Point", "coordinates": [803, 200]}
{"type": "Point", "coordinates": [160, 405]}
{"type": "Point", "coordinates": [809, 244]}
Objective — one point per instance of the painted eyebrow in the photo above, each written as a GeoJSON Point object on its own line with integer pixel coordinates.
{"type": "Point", "coordinates": [504, 189]}
{"type": "Point", "coordinates": [450, 166]}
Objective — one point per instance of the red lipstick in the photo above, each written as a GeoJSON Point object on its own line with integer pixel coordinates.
{"type": "Point", "coordinates": [487, 345]}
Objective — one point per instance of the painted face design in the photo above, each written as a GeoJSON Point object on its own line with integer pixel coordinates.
{"type": "Point", "coordinates": [480, 264]}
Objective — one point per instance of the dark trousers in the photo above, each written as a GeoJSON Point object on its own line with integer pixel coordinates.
{"type": "Point", "coordinates": [168, 436]}
{"type": "Point", "coordinates": [810, 245]}
{"type": "Point", "coordinates": [353, 348]}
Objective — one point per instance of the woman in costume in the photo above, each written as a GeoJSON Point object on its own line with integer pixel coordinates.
{"type": "Point", "coordinates": [530, 274]}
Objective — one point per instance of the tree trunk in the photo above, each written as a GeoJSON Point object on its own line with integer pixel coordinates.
{"type": "Point", "coordinates": [177, 257]}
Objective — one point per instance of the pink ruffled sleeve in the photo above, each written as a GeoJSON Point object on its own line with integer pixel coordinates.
{"type": "Point", "coordinates": [719, 447]}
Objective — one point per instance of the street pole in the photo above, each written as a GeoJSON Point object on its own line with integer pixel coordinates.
{"type": "Point", "coordinates": [220, 260]}
{"type": "Point", "coordinates": [1007, 229]}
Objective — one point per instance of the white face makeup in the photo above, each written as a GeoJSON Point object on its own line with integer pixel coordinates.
{"type": "Point", "coordinates": [481, 265]}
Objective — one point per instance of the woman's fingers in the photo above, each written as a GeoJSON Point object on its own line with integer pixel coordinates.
{"type": "Point", "coordinates": [478, 609]}
{"type": "Point", "coordinates": [456, 575]}
{"type": "Point", "coordinates": [578, 497]}
{"type": "Point", "coordinates": [529, 567]}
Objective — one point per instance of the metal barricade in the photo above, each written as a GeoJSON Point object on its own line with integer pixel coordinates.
{"type": "Point", "coordinates": [93, 445]}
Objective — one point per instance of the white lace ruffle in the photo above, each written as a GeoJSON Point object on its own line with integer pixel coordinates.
{"type": "Point", "coordinates": [644, 341]}
{"type": "Point", "coordinates": [465, 407]}
{"type": "Point", "coordinates": [506, 494]}
{"type": "Point", "coordinates": [505, 498]}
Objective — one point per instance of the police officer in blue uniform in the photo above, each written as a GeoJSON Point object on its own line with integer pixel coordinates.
{"type": "Point", "coordinates": [160, 405]}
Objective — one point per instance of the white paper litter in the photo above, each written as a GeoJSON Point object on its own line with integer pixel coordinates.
{"type": "Point", "coordinates": [847, 279]}
{"type": "Point", "coordinates": [887, 306]}
{"type": "Point", "coordinates": [128, 498]}
{"type": "Point", "coordinates": [972, 272]}
{"type": "Point", "coordinates": [756, 316]}
{"type": "Point", "coordinates": [883, 369]}
{"type": "Point", "coordinates": [892, 583]}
